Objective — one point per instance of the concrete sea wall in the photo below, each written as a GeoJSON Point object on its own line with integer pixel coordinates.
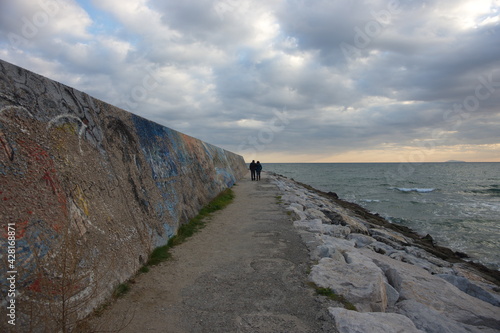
{"type": "Point", "coordinates": [87, 191]}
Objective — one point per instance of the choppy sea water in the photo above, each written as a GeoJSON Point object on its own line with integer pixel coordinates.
{"type": "Point", "coordinates": [458, 204]}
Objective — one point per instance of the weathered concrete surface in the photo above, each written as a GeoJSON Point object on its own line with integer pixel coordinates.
{"type": "Point", "coordinates": [246, 271]}
{"type": "Point", "coordinates": [88, 191]}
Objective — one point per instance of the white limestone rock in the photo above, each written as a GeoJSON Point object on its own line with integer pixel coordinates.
{"type": "Point", "coordinates": [421, 253]}
{"type": "Point", "coordinates": [314, 202]}
{"type": "Point", "coordinates": [472, 289]}
{"type": "Point", "coordinates": [299, 214]}
{"type": "Point", "coordinates": [358, 279]}
{"type": "Point", "coordinates": [415, 283]}
{"type": "Point", "coordinates": [339, 244]}
{"type": "Point", "coordinates": [355, 224]}
{"type": "Point", "coordinates": [281, 184]}
{"type": "Point", "coordinates": [313, 213]}
{"type": "Point", "coordinates": [310, 225]}
{"type": "Point", "coordinates": [388, 234]}
{"type": "Point", "coordinates": [382, 248]}
{"type": "Point", "coordinates": [420, 262]}
{"type": "Point", "coordinates": [290, 198]}
{"type": "Point", "coordinates": [297, 206]}
{"type": "Point", "coordinates": [356, 322]}
{"type": "Point", "coordinates": [432, 321]}
{"type": "Point", "coordinates": [392, 295]}
{"type": "Point", "coordinates": [336, 230]}
{"type": "Point", "coordinates": [361, 240]}
{"type": "Point", "coordinates": [324, 251]}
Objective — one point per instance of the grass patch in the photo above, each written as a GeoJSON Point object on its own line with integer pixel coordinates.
{"type": "Point", "coordinates": [121, 290]}
{"type": "Point", "coordinates": [158, 255]}
{"type": "Point", "coordinates": [144, 269]}
{"type": "Point", "coordinates": [334, 297]}
{"type": "Point", "coordinates": [101, 308]}
{"type": "Point", "coordinates": [161, 254]}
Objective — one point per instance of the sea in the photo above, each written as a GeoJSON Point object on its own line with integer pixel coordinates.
{"type": "Point", "coordinates": [458, 204]}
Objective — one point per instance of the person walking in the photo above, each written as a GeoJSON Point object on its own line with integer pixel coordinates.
{"type": "Point", "coordinates": [258, 169]}
{"type": "Point", "coordinates": [253, 166]}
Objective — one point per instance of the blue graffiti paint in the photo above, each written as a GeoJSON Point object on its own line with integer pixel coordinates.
{"type": "Point", "coordinates": [31, 249]}
{"type": "Point", "coordinates": [178, 163]}
{"type": "Point", "coordinates": [228, 177]}
{"type": "Point", "coordinates": [159, 146]}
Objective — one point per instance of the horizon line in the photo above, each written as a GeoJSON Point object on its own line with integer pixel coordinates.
{"type": "Point", "coordinates": [451, 162]}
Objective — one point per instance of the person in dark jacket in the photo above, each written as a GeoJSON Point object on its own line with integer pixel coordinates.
{"type": "Point", "coordinates": [258, 169]}
{"type": "Point", "coordinates": [253, 166]}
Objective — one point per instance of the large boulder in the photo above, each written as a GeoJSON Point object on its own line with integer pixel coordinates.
{"type": "Point", "coordinates": [355, 224]}
{"type": "Point", "coordinates": [389, 235]}
{"type": "Point", "coordinates": [357, 278]}
{"type": "Point", "coordinates": [361, 240]}
{"type": "Point", "coordinates": [432, 321]}
{"type": "Point", "coordinates": [415, 283]}
{"type": "Point", "coordinates": [339, 244]}
{"type": "Point", "coordinates": [472, 289]}
{"type": "Point", "coordinates": [356, 322]}
{"type": "Point", "coordinates": [310, 225]}
{"type": "Point", "coordinates": [338, 231]}
{"type": "Point", "coordinates": [313, 213]}
{"type": "Point", "coordinates": [299, 214]}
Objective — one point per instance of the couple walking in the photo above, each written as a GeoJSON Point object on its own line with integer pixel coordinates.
{"type": "Point", "coordinates": [255, 169]}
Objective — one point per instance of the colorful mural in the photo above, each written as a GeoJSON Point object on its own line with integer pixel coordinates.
{"type": "Point", "coordinates": [87, 191]}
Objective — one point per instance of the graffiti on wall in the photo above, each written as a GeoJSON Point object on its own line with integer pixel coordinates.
{"type": "Point", "coordinates": [91, 191]}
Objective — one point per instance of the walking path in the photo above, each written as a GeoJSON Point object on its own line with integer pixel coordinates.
{"type": "Point", "coordinates": [246, 271]}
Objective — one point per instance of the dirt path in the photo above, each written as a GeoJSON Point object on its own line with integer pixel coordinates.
{"type": "Point", "coordinates": [246, 271]}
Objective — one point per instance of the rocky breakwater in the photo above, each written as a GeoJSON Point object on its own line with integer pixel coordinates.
{"type": "Point", "coordinates": [397, 280]}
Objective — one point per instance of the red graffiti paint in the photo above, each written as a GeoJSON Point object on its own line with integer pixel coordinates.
{"type": "Point", "coordinates": [54, 286]}
{"type": "Point", "coordinates": [42, 186]}
{"type": "Point", "coordinates": [6, 146]}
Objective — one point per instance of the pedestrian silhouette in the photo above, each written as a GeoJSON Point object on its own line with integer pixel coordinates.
{"type": "Point", "coordinates": [258, 169]}
{"type": "Point", "coordinates": [253, 167]}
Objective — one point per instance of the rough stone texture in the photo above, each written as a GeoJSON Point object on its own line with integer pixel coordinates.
{"type": "Point", "coordinates": [472, 289]}
{"type": "Point", "coordinates": [387, 234]}
{"type": "Point", "coordinates": [414, 283]}
{"type": "Point", "coordinates": [336, 230]}
{"type": "Point", "coordinates": [313, 213]}
{"type": "Point", "coordinates": [431, 321]}
{"type": "Point", "coordinates": [392, 270]}
{"type": "Point", "coordinates": [310, 225]}
{"type": "Point", "coordinates": [358, 279]}
{"type": "Point", "coordinates": [361, 240]}
{"type": "Point", "coordinates": [357, 322]}
{"type": "Point", "coordinates": [91, 190]}
{"type": "Point", "coordinates": [355, 224]}
{"type": "Point", "coordinates": [392, 295]}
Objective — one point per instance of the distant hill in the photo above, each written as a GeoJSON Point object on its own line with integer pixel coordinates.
{"type": "Point", "coordinates": [454, 161]}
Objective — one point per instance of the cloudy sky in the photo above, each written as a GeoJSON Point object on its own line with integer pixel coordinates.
{"type": "Point", "coordinates": [282, 80]}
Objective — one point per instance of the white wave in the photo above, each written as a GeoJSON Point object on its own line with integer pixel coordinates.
{"type": "Point", "coordinates": [419, 190]}
{"type": "Point", "coordinates": [370, 200]}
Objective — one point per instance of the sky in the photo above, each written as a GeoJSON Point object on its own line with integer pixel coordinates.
{"type": "Point", "coordinates": [282, 80]}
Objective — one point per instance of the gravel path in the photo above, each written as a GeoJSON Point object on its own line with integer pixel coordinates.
{"type": "Point", "coordinates": [246, 271]}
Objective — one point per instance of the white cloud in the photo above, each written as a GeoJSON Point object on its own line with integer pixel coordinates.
{"type": "Point", "coordinates": [220, 70]}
